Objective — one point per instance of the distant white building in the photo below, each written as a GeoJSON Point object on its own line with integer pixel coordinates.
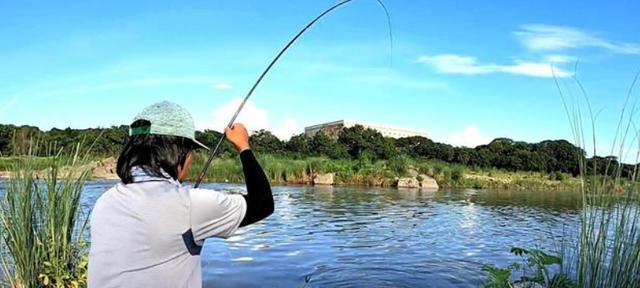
{"type": "Point", "coordinates": [332, 129]}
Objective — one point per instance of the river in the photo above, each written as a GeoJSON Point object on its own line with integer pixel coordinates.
{"type": "Point", "coordinates": [370, 237]}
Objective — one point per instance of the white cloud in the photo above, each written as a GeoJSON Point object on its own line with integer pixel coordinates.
{"type": "Point", "coordinates": [288, 128]}
{"type": "Point", "coordinates": [534, 69]}
{"type": "Point", "coordinates": [459, 64]}
{"type": "Point", "coordinates": [539, 37]}
{"type": "Point", "coordinates": [455, 64]}
{"type": "Point", "coordinates": [558, 58]}
{"type": "Point", "coordinates": [253, 117]}
{"type": "Point", "coordinates": [470, 136]}
{"type": "Point", "coordinates": [222, 86]}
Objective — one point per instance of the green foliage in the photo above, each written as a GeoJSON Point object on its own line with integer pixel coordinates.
{"type": "Point", "coordinates": [6, 135]}
{"type": "Point", "coordinates": [557, 176]}
{"type": "Point", "coordinates": [498, 277]}
{"type": "Point", "coordinates": [534, 271]}
{"type": "Point", "coordinates": [40, 217]}
{"type": "Point", "coordinates": [298, 145]}
{"type": "Point", "coordinates": [457, 174]}
{"type": "Point", "coordinates": [211, 138]}
{"type": "Point", "coordinates": [17, 140]}
{"type": "Point", "coordinates": [352, 143]}
{"type": "Point", "coordinates": [398, 165]}
{"type": "Point", "coordinates": [322, 145]}
{"type": "Point", "coordinates": [263, 140]}
{"type": "Point", "coordinates": [361, 142]}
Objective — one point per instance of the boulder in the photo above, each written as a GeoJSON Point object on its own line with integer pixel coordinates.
{"type": "Point", "coordinates": [408, 183]}
{"type": "Point", "coordinates": [323, 179]}
{"type": "Point", "coordinates": [413, 173]}
{"type": "Point", "coordinates": [427, 182]}
{"type": "Point", "coordinates": [105, 169]}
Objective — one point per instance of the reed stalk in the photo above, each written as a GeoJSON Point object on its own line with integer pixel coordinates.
{"type": "Point", "coordinates": [43, 242]}
{"type": "Point", "coordinates": [607, 250]}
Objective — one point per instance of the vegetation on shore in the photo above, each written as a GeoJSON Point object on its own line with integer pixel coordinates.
{"type": "Point", "coordinates": [354, 143]}
{"type": "Point", "coordinates": [361, 172]}
{"type": "Point", "coordinates": [383, 173]}
{"type": "Point", "coordinates": [358, 156]}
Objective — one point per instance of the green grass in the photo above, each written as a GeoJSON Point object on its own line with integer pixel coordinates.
{"type": "Point", "coordinates": [364, 172]}
{"type": "Point", "coordinates": [284, 170]}
{"type": "Point", "coordinates": [43, 242]}
{"type": "Point", "coordinates": [36, 163]}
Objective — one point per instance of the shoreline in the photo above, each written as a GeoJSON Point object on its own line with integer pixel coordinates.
{"type": "Point", "coordinates": [491, 184]}
{"type": "Point", "coordinates": [378, 177]}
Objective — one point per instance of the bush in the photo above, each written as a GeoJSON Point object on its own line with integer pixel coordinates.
{"type": "Point", "coordinates": [398, 165]}
{"type": "Point", "coordinates": [557, 176]}
{"type": "Point", "coordinates": [457, 174]}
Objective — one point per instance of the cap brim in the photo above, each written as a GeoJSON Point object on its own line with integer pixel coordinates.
{"type": "Point", "coordinates": [200, 144]}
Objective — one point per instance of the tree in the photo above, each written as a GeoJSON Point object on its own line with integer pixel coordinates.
{"type": "Point", "coordinates": [211, 138]}
{"type": "Point", "coordinates": [23, 137]}
{"type": "Point", "coordinates": [354, 142]}
{"type": "Point", "coordinates": [266, 142]}
{"type": "Point", "coordinates": [298, 144]}
{"type": "Point", "coordinates": [462, 155]}
{"type": "Point", "coordinates": [6, 137]}
{"type": "Point", "coordinates": [322, 145]}
{"type": "Point", "coordinates": [444, 152]}
{"type": "Point", "coordinates": [483, 158]}
{"type": "Point", "coordinates": [561, 156]}
{"type": "Point", "coordinates": [410, 145]}
{"type": "Point", "coordinates": [360, 141]}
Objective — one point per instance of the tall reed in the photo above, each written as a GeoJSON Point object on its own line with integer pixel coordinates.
{"type": "Point", "coordinates": [43, 242]}
{"type": "Point", "coordinates": [607, 250]}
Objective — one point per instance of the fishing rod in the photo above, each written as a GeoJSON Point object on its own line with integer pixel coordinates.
{"type": "Point", "coordinates": [293, 40]}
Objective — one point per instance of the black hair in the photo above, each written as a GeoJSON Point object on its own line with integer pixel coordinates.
{"type": "Point", "coordinates": [153, 153]}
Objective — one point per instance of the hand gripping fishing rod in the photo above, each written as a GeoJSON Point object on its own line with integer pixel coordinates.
{"type": "Point", "coordinates": [293, 40]}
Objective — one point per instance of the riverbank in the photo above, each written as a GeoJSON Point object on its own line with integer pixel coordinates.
{"type": "Point", "coordinates": [407, 173]}
{"type": "Point", "coordinates": [99, 168]}
{"type": "Point", "coordinates": [384, 173]}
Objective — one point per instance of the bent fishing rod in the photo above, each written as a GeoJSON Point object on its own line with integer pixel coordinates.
{"type": "Point", "coordinates": [273, 62]}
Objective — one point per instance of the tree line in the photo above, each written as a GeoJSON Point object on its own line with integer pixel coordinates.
{"type": "Point", "coordinates": [551, 156]}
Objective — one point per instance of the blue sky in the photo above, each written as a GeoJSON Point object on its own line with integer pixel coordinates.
{"type": "Point", "coordinates": [463, 72]}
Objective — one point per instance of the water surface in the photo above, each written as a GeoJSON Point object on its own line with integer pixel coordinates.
{"type": "Point", "coordinates": [365, 237]}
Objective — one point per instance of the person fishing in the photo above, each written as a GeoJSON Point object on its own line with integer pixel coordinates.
{"type": "Point", "coordinates": [148, 230]}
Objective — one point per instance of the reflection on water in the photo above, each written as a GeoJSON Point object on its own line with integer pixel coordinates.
{"type": "Point", "coordinates": [363, 237]}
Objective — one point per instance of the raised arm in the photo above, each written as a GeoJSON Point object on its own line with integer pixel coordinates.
{"type": "Point", "coordinates": [259, 197]}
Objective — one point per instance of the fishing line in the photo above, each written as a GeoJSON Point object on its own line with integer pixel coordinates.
{"type": "Point", "coordinates": [293, 40]}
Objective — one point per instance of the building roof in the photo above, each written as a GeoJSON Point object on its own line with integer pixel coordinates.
{"type": "Point", "coordinates": [351, 123]}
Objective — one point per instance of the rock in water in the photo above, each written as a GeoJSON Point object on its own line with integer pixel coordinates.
{"type": "Point", "coordinates": [323, 179]}
{"type": "Point", "coordinates": [428, 183]}
{"type": "Point", "coordinates": [408, 183]}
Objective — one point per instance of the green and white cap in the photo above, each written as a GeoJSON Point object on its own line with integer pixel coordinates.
{"type": "Point", "coordinates": [169, 119]}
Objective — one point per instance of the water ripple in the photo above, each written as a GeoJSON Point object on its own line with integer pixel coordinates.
{"type": "Point", "coordinates": [357, 237]}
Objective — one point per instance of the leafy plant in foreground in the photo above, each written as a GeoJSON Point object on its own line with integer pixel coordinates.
{"type": "Point", "coordinates": [534, 271]}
